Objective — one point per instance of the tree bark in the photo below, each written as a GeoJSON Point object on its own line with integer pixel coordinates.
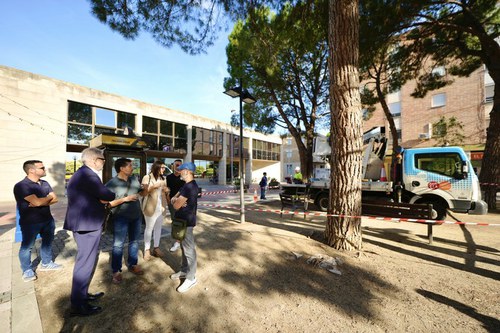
{"type": "Point", "coordinates": [344, 232]}
{"type": "Point", "coordinates": [490, 169]}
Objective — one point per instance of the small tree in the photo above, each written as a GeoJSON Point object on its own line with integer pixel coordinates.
{"type": "Point", "coordinates": [282, 56]}
{"type": "Point", "coordinates": [448, 132]}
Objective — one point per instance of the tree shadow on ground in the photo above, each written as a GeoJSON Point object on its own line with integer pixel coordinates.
{"type": "Point", "coordinates": [489, 323]}
{"type": "Point", "coordinates": [375, 233]}
{"type": "Point", "coordinates": [150, 302]}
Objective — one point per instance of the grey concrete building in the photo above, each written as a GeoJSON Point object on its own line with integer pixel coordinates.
{"type": "Point", "coordinates": [53, 121]}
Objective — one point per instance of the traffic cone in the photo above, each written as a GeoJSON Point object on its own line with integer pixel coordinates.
{"type": "Point", "coordinates": [383, 175]}
{"type": "Point", "coordinates": [255, 195]}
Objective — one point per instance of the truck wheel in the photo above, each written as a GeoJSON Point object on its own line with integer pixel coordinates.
{"type": "Point", "coordinates": [438, 212]}
{"type": "Point", "coordinates": [438, 209]}
{"type": "Point", "coordinates": [322, 202]}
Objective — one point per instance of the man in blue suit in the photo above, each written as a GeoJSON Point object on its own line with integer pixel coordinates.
{"type": "Point", "coordinates": [87, 197]}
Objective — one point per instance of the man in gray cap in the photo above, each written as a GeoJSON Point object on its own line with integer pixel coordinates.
{"type": "Point", "coordinates": [185, 203]}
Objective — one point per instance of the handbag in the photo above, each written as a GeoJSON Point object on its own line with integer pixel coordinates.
{"type": "Point", "coordinates": [144, 203]}
{"type": "Point", "coordinates": [179, 227]}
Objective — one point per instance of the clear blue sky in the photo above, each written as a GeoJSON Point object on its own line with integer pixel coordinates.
{"type": "Point", "coordinates": [61, 39]}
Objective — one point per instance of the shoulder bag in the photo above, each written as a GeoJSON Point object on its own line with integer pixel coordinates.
{"type": "Point", "coordinates": [179, 227]}
{"type": "Point", "coordinates": [144, 204]}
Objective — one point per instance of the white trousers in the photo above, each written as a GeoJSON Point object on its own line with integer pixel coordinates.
{"type": "Point", "coordinates": [153, 227]}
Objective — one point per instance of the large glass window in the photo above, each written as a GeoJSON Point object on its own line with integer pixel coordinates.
{"type": "Point", "coordinates": [79, 134]}
{"type": "Point", "coordinates": [105, 117]}
{"type": "Point", "coordinates": [86, 121]}
{"type": "Point", "coordinates": [126, 119]}
{"type": "Point", "coordinates": [149, 125]}
{"type": "Point", "coordinates": [79, 113]}
{"type": "Point", "coordinates": [164, 135]}
{"type": "Point", "coordinates": [263, 150]}
{"type": "Point", "coordinates": [207, 142]}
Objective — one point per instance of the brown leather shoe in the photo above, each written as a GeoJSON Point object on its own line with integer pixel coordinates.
{"type": "Point", "coordinates": [147, 255]}
{"type": "Point", "coordinates": [136, 269]}
{"type": "Point", "coordinates": [157, 252]}
{"type": "Point", "coordinates": [117, 278]}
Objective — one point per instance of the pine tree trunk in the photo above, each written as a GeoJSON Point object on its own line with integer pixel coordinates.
{"type": "Point", "coordinates": [490, 169]}
{"type": "Point", "coordinates": [344, 233]}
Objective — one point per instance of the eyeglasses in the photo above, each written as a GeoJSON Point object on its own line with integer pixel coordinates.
{"type": "Point", "coordinates": [101, 158]}
{"type": "Point", "coordinates": [41, 168]}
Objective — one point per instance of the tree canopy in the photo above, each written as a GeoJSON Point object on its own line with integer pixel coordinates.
{"type": "Point", "coordinates": [283, 58]}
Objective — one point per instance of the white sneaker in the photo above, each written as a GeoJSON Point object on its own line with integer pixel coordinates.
{"type": "Point", "coordinates": [178, 275]}
{"type": "Point", "coordinates": [29, 275]}
{"type": "Point", "coordinates": [51, 266]}
{"type": "Point", "coordinates": [175, 247]}
{"type": "Point", "coordinates": [186, 285]}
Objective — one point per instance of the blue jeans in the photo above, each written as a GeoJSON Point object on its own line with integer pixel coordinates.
{"type": "Point", "coordinates": [29, 232]}
{"type": "Point", "coordinates": [122, 226]}
{"type": "Point", "coordinates": [262, 192]}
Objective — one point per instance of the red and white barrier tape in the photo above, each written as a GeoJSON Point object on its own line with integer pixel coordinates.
{"type": "Point", "coordinates": [381, 218]}
{"type": "Point", "coordinates": [218, 192]}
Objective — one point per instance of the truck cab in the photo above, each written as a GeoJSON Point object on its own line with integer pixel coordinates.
{"type": "Point", "coordinates": [443, 177]}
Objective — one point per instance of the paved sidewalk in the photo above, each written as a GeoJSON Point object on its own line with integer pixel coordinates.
{"type": "Point", "coordinates": [19, 311]}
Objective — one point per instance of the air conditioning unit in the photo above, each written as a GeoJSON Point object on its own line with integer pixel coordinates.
{"type": "Point", "coordinates": [424, 136]}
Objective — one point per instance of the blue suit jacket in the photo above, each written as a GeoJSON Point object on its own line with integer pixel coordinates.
{"type": "Point", "coordinates": [85, 192]}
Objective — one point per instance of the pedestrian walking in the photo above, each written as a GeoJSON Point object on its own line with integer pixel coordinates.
{"type": "Point", "coordinates": [263, 186]}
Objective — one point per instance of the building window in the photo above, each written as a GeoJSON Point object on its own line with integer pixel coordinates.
{"type": "Point", "coordinates": [438, 100]}
{"type": "Point", "coordinates": [207, 142]}
{"type": "Point", "coordinates": [79, 113]}
{"type": "Point", "coordinates": [263, 150]}
{"type": "Point", "coordinates": [489, 92]}
{"type": "Point", "coordinates": [395, 109]}
{"type": "Point", "coordinates": [164, 135]}
{"type": "Point", "coordinates": [105, 117]}
{"type": "Point", "coordinates": [86, 122]}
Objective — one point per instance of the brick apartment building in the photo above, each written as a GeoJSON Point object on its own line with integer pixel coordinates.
{"type": "Point", "coordinates": [468, 99]}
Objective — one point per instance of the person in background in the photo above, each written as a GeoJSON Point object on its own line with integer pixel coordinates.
{"type": "Point", "coordinates": [263, 185]}
{"type": "Point", "coordinates": [87, 197]}
{"type": "Point", "coordinates": [155, 194]}
{"type": "Point", "coordinates": [297, 177]}
{"type": "Point", "coordinates": [175, 183]}
{"type": "Point", "coordinates": [127, 218]}
{"type": "Point", "coordinates": [185, 203]}
{"type": "Point", "coordinates": [33, 198]}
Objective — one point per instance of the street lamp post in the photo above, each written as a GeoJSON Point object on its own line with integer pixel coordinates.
{"type": "Point", "coordinates": [232, 154]}
{"type": "Point", "coordinates": [244, 96]}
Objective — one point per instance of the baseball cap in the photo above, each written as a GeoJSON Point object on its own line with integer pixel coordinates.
{"type": "Point", "coordinates": [188, 166]}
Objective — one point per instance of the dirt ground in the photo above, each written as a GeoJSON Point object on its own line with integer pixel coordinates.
{"type": "Point", "coordinates": [250, 280]}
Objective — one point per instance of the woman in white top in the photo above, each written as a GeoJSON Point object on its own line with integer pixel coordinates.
{"type": "Point", "coordinates": [154, 207]}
